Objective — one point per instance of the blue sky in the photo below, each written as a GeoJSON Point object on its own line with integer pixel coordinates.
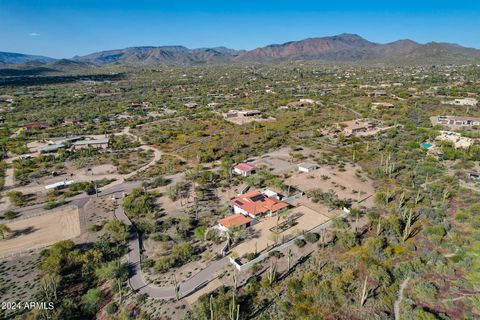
{"type": "Point", "coordinates": [62, 29]}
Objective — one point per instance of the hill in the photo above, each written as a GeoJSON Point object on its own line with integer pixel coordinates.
{"type": "Point", "coordinates": [11, 58]}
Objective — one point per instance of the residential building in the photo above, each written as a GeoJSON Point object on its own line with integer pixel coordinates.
{"type": "Point", "coordinates": [455, 122]}
{"type": "Point", "coordinates": [244, 169]}
{"type": "Point", "coordinates": [59, 185]}
{"type": "Point", "coordinates": [241, 113]}
{"type": "Point", "coordinates": [307, 167]}
{"type": "Point", "coordinates": [462, 102]}
{"type": "Point", "coordinates": [37, 125]}
{"type": "Point", "coordinates": [234, 221]}
{"type": "Point", "coordinates": [97, 144]}
{"type": "Point", "coordinates": [353, 127]}
{"type": "Point", "coordinates": [255, 204]}
{"type": "Point", "coordinates": [52, 148]}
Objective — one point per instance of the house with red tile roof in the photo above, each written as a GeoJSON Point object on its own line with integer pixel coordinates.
{"type": "Point", "coordinates": [255, 204]}
{"type": "Point", "coordinates": [39, 125]}
{"type": "Point", "coordinates": [244, 169]}
{"type": "Point", "coordinates": [234, 221]}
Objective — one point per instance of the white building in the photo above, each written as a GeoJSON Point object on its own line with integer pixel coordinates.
{"type": "Point", "coordinates": [307, 167]}
{"type": "Point", "coordinates": [462, 102]}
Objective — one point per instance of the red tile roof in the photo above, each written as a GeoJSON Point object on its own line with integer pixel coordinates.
{"type": "Point", "coordinates": [245, 167]}
{"type": "Point", "coordinates": [36, 125]}
{"type": "Point", "coordinates": [236, 220]}
{"type": "Point", "coordinates": [256, 203]}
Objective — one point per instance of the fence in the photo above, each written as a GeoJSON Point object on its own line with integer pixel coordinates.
{"type": "Point", "coordinates": [245, 266]}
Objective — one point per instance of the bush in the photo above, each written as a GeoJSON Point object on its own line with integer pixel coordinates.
{"type": "Point", "coordinates": [299, 243]}
{"type": "Point", "coordinates": [312, 237]}
{"type": "Point", "coordinates": [112, 308]}
{"type": "Point", "coordinates": [148, 263]}
{"type": "Point", "coordinates": [17, 198]}
{"type": "Point", "coordinates": [163, 264]}
{"type": "Point", "coordinates": [9, 215]}
{"type": "Point", "coordinates": [94, 228]}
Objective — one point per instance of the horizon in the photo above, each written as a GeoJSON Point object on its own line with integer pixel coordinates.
{"type": "Point", "coordinates": [64, 30]}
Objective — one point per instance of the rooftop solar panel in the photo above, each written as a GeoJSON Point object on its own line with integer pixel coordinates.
{"type": "Point", "coordinates": [256, 198]}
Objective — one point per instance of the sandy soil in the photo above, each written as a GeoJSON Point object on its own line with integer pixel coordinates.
{"type": "Point", "coordinates": [263, 237]}
{"type": "Point", "coordinates": [344, 183]}
{"type": "Point", "coordinates": [43, 230]}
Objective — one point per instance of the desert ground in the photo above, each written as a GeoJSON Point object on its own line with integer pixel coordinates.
{"type": "Point", "coordinates": [41, 231]}
{"type": "Point", "coordinates": [348, 184]}
{"type": "Point", "coordinates": [263, 237]}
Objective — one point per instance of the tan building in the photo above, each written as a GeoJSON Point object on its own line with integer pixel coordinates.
{"type": "Point", "coordinates": [353, 127]}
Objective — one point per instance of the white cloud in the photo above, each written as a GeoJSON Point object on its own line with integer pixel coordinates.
{"type": "Point", "coordinates": [34, 34]}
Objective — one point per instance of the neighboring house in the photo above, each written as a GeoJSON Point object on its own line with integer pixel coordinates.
{"type": "Point", "coordinates": [377, 93]}
{"type": "Point", "coordinates": [74, 122]}
{"type": "Point", "coordinates": [455, 122]}
{"type": "Point", "coordinates": [382, 105]}
{"type": "Point", "coordinates": [255, 204]}
{"type": "Point", "coordinates": [244, 169]}
{"type": "Point", "coordinates": [354, 127]}
{"type": "Point", "coordinates": [37, 125]}
{"type": "Point", "coordinates": [190, 105]}
{"type": "Point", "coordinates": [307, 167]}
{"type": "Point", "coordinates": [59, 185]}
{"type": "Point", "coordinates": [474, 175]}
{"type": "Point", "coordinates": [234, 221]}
{"type": "Point", "coordinates": [137, 104]}
{"type": "Point", "coordinates": [241, 113]}
{"type": "Point", "coordinates": [98, 144]}
{"type": "Point", "coordinates": [462, 102]}
{"type": "Point", "coordinates": [456, 138]}
{"type": "Point", "coordinates": [52, 148]}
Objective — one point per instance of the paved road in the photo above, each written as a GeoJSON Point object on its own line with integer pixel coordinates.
{"type": "Point", "coordinates": [137, 281]}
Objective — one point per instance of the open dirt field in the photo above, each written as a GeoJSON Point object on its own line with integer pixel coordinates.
{"type": "Point", "coordinates": [347, 184]}
{"type": "Point", "coordinates": [40, 231]}
{"type": "Point", "coordinates": [263, 237]}
{"type": "Point", "coordinates": [280, 161]}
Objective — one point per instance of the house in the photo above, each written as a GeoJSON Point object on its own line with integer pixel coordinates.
{"type": "Point", "coordinates": [455, 122]}
{"type": "Point", "coordinates": [462, 102]}
{"type": "Point", "coordinates": [241, 113]}
{"type": "Point", "coordinates": [190, 105]}
{"type": "Point", "coordinates": [97, 144]}
{"type": "Point", "coordinates": [38, 125]}
{"type": "Point", "coordinates": [377, 93]}
{"type": "Point", "coordinates": [244, 169]}
{"type": "Point", "coordinates": [59, 185]}
{"type": "Point", "coordinates": [255, 204]}
{"type": "Point", "coordinates": [137, 104]}
{"type": "Point", "coordinates": [307, 167]}
{"type": "Point", "coordinates": [474, 175]}
{"type": "Point", "coordinates": [456, 138]}
{"type": "Point", "coordinates": [74, 122]}
{"type": "Point", "coordinates": [354, 127]}
{"type": "Point", "coordinates": [382, 105]}
{"type": "Point", "coordinates": [234, 221]}
{"type": "Point", "coordinates": [52, 148]}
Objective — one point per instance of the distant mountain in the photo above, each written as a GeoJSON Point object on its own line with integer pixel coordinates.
{"type": "Point", "coordinates": [10, 58]}
{"type": "Point", "coordinates": [353, 48]}
{"type": "Point", "coordinates": [344, 47]}
{"type": "Point", "coordinates": [69, 65]}
{"type": "Point", "coordinates": [340, 48]}
{"type": "Point", "coordinates": [160, 55]}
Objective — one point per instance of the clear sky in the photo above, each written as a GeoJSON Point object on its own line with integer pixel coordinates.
{"type": "Point", "coordinates": [64, 28]}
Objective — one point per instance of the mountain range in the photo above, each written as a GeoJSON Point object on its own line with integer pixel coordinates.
{"type": "Point", "coordinates": [339, 48]}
